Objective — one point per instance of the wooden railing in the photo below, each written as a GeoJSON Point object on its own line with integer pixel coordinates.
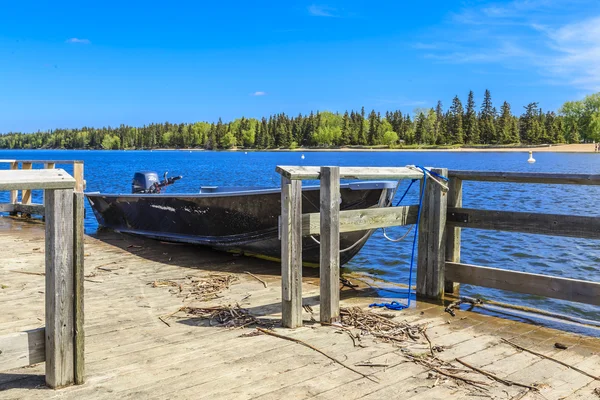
{"type": "Point", "coordinates": [439, 235]}
{"type": "Point", "coordinates": [61, 342]}
{"type": "Point", "coordinates": [330, 221]}
{"type": "Point", "coordinates": [544, 224]}
{"type": "Point", "coordinates": [25, 206]}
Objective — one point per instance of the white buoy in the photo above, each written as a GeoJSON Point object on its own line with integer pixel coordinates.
{"type": "Point", "coordinates": [302, 156]}
{"type": "Point", "coordinates": [246, 153]}
{"type": "Point", "coordinates": [531, 160]}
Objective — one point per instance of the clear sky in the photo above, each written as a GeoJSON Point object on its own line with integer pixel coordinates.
{"type": "Point", "coordinates": [75, 63]}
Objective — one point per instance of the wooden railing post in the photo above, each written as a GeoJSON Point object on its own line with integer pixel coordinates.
{"type": "Point", "coordinates": [78, 273]}
{"type": "Point", "coordinates": [291, 252]}
{"type": "Point", "coordinates": [330, 245]}
{"type": "Point", "coordinates": [14, 194]}
{"type": "Point", "coordinates": [453, 234]}
{"type": "Point", "coordinates": [432, 240]}
{"type": "Point", "coordinates": [58, 205]}
{"type": "Point", "coordinates": [26, 194]}
{"type": "Point", "coordinates": [78, 175]}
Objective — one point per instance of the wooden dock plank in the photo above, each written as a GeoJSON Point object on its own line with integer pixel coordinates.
{"type": "Point", "coordinates": [130, 353]}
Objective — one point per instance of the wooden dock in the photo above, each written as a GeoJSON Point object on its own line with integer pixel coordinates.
{"type": "Point", "coordinates": [132, 353]}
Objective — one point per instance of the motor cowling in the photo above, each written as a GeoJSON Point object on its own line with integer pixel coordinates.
{"type": "Point", "coordinates": [144, 182]}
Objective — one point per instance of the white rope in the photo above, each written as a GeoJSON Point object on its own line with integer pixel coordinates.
{"type": "Point", "coordinates": [430, 175]}
{"type": "Point", "coordinates": [399, 239]}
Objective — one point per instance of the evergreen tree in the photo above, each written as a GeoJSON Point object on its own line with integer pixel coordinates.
{"type": "Point", "coordinates": [486, 120]}
{"type": "Point", "coordinates": [471, 127]}
{"type": "Point", "coordinates": [455, 123]}
{"type": "Point", "coordinates": [505, 125]}
{"type": "Point", "coordinates": [529, 124]}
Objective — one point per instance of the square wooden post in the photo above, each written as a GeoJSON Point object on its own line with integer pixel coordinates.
{"type": "Point", "coordinates": [291, 252]}
{"type": "Point", "coordinates": [453, 234]}
{"type": "Point", "coordinates": [14, 194]}
{"type": "Point", "coordinates": [432, 240]}
{"type": "Point", "coordinates": [330, 245]}
{"type": "Point", "coordinates": [58, 205]}
{"type": "Point", "coordinates": [78, 273]}
{"type": "Point", "coordinates": [78, 175]}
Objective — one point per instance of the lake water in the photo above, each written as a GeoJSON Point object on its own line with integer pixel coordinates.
{"type": "Point", "coordinates": [111, 171]}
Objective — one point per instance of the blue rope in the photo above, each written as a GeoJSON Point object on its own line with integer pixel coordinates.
{"type": "Point", "coordinates": [405, 192]}
{"type": "Point", "coordinates": [394, 305]}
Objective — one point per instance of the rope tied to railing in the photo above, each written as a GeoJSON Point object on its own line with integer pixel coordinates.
{"type": "Point", "coordinates": [395, 305]}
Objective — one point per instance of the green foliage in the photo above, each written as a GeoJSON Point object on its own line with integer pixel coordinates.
{"type": "Point", "coordinates": [576, 121]}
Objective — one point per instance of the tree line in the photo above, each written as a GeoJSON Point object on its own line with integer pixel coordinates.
{"type": "Point", "coordinates": [576, 121]}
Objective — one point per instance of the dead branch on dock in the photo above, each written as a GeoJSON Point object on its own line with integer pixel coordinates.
{"type": "Point", "coordinates": [30, 273]}
{"type": "Point", "coordinates": [380, 326]}
{"type": "Point", "coordinates": [257, 278]}
{"type": "Point", "coordinates": [551, 359]}
{"type": "Point", "coordinates": [197, 288]}
{"type": "Point", "coordinates": [227, 316]}
{"type": "Point", "coordinates": [455, 305]}
{"type": "Point", "coordinates": [495, 377]}
{"type": "Point", "coordinates": [298, 341]}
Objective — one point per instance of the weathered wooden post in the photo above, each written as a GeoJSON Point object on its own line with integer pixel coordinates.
{"type": "Point", "coordinates": [453, 233]}
{"type": "Point", "coordinates": [291, 252]}
{"type": "Point", "coordinates": [432, 240]}
{"type": "Point", "coordinates": [26, 194]}
{"type": "Point", "coordinates": [58, 204]}
{"type": "Point", "coordinates": [78, 273]}
{"type": "Point", "coordinates": [330, 245]}
{"type": "Point", "coordinates": [78, 175]}
{"type": "Point", "coordinates": [14, 194]}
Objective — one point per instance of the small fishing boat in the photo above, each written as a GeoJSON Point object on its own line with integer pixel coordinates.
{"type": "Point", "coordinates": [234, 219]}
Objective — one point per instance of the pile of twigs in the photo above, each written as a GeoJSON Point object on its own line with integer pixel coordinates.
{"type": "Point", "coordinates": [381, 326]}
{"type": "Point", "coordinates": [196, 288]}
{"type": "Point", "coordinates": [227, 316]}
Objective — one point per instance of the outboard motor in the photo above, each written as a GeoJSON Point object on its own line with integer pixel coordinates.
{"type": "Point", "coordinates": [148, 182]}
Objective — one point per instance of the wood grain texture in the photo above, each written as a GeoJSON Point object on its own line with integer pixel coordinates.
{"type": "Point", "coordinates": [527, 177]}
{"type": "Point", "coordinates": [453, 233]}
{"type": "Point", "coordinates": [360, 220]}
{"type": "Point", "coordinates": [539, 285]}
{"type": "Point", "coordinates": [78, 292]}
{"type": "Point", "coordinates": [78, 175]}
{"type": "Point", "coordinates": [432, 240]}
{"type": "Point", "coordinates": [329, 298]}
{"type": "Point", "coordinates": [291, 264]}
{"type": "Point", "coordinates": [543, 224]}
{"type": "Point", "coordinates": [310, 173]}
{"type": "Point", "coordinates": [59, 288]}
{"type": "Point", "coordinates": [22, 349]}
{"type": "Point", "coordinates": [35, 179]}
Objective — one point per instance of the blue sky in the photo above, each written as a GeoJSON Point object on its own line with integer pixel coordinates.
{"type": "Point", "coordinates": [74, 63]}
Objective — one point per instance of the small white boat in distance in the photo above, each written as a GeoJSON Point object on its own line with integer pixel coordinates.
{"type": "Point", "coordinates": [531, 160]}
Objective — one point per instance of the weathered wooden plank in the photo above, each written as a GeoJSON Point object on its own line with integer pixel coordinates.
{"type": "Point", "coordinates": [291, 261]}
{"type": "Point", "coordinates": [527, 177]}
{"type": "Point", "coordinates": [26, 194]}
{"type": "Point", "coordinates": [59, 288]}
{"type": "Point", "coordinates": [78, 276]}
{"type": "Point", "coordinates": [7, 207]}
{"type": "Point", "coordinates": [453, 233]}
{"type": "Point", "coordinates": [35, 179]}
{"type": "Point", "coordinates": [359, 220]}
{"type": "Point", "coordinates": [65, 162]}
{"type": "Point", "coordinates": [78, 175]}
{"type": "Point", "coordinates": [539, 285]}
{"type": "Point", "coordinates": [22, 349]}
{"type": "Point", "coordinates": [329, 297]}
{"type": "Point", "coordinates": [432, 240]}
{"type": "Point", "coordinates": [310, 173]}
{"type": "Point", "coordinates": [543, 224]}
{"type": "Point", "coordinates": [14, 194]}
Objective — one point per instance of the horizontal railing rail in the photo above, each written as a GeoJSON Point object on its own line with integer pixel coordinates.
{"type": "Point", "coordinates": [586, 227]}
{"type": "Point", "coordinates": [25, 206]}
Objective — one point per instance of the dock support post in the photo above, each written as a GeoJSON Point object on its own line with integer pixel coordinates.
{"type": "Point", "coordinates": [291, 253]}
{"type": "Point", "coordinates": [78, 175]}
{"type": "Point", "coordinates": [453, 234]}
{"type": "Point", "coordinates": [59, 287]}
{"type": "Point", "coordinates": [78, 273]}
{"type": "Point", "coordinates": [432, 240]}
{"type": "Point", "coordinates": [330, 245]}
{"type": "Point", "coordinates": [14, 194]}
{"type": "Point", "coordinates": [26, 194]}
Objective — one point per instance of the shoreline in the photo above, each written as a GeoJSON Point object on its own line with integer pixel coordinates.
{"type": "Point", "coordinates": [562, 148]}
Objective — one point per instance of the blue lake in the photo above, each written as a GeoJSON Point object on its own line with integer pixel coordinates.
{"type": "Point", "coordinates": [111, 171]}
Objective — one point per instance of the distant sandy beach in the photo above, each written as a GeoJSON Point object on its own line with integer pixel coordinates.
{"type": "Point", "coordinates": [562, 148]}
